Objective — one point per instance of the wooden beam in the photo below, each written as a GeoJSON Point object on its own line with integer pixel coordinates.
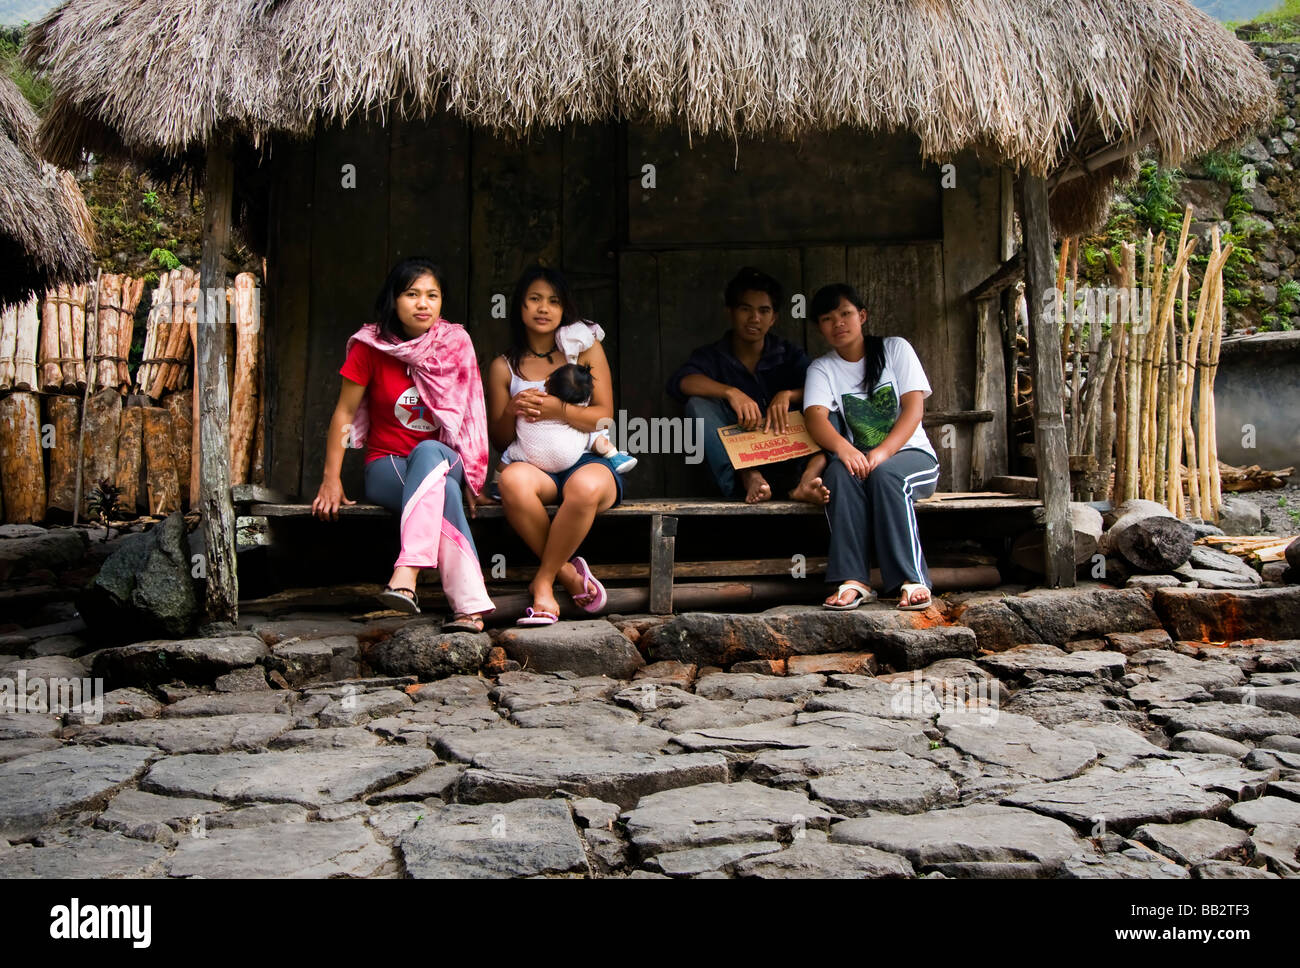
{"type": "Point", "coordinates": [221, 594]}
{"type": "Point", "coordinates": [1101, 158]}
{"type": "Point", "coordinates": [1045, 355]}
{"type": "Point", "coordinates": [1008, 274]}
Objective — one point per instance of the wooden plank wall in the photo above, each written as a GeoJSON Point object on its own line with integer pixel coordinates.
{"type": "Point", "coordinates": [649, 265]}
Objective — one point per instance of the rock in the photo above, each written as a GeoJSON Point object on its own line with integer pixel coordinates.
{"type": "Point", "coordinates": [1195, 841]}
{"type": "Point", "coordinates": [38, 789]}
{"type": "Point", "coordinates": [589, 648]}
{"type": "Point", "coordinates": [608, 848]}
{"type": "Point", "coordinates": [1045, 659]}
{"type": "Point", "coordinates": [207, 734]}
{"type": "Point", "coordinates": [1239, 516]}
{"type": "Point", "coordinates": [131, 808]}
{"type": "Point", "coordinates": [36, 549]}
{"type": "Point", "coordinates": [1117, 745]}
{"type": "Point", "coordinates": [617, 777]}
{"type": "Point", "coordinates": [300, 662]}
{"type": "Point", "coordinates": [525, 838]}
{"type": "Point", "coordinates": [250, 679]}
{"type": "Point", "coordinates": [230, 704]}
{"type": "Point", "coordinates": [59, 645]}
{"type": "Point", "coordinates": [1279, 846]}
{"type": "Point", "coordinates": [352, 710]}
{"type": "Point", "coordinates": [817, 729]}
{"type": "Point", "coordinates": [88, 853]}
{"type": "Point", "coordinates": [452, 691]}
{"type": "Point", "coordinates": [1054, 617]}
{"type": "Point", "coordinates": [1285, 697]}
{"type": "Point", "coordinates": [1203, 556]}
{"type": "Point", "coordinates": [312, 779]}
{"type": "Point", "coordinates": [527, 693]}
{"type": "Point", "coordinates": [1049, 704]}
{"type": "Point", "coordinates": [47, 667]}
{"type": "Point", "coordinates": [852, 663]}
{"type": "Point", "coordinates": [918, 648]}
{"type": "Point", "coordinates": [341, 738]}
{"type": "Point", "coordinates": [723, 639]}
{"type": "Point", "coordinates": [1130, 642]}
{"type": "Point", "coordinates": [1288, 744]}
{"type": "Point", "coordinates": [144, 589]}
{"type": "Point", "coordinates": [711, 814]}
{"type": "Point", "coordinates": [669, 672]}
{"type": "Point", "coordinates": [1152, 581]}
{"type": "Point", "coordinates": [158, 661]}
{"type": "Point", "coordinates": [577, 714]}
{"type": "Point", "coordinates": [498, 662]}
{"type": "Point", "coordinates": [29, 726]}
{"type": "Point", "coordinates": [1265, 810]}
{"type": "Point", "coordinates": [1206, 197]}
{"type": "Point", "coordinates": [1153, 791]}
{"type": "Point", "coordinates": [307, 850]}
{"type": "Point", "coordinates": [1196, 741]}
{"type": "Point", "coordinates": [1131, 864]}
{"type": "Point", "coordinates": [466, 746]}
{"type": "Point", "coordinates": [427, 652]}
{"type": "Point", "coordinates": [12, 749]}
{"type": "Point", "coordinates": [124, 705]}
{"type": "Point", "coordinates": [968, 841]}
{"type": "Point", "coordinates": [893, 782]}
{"type": "Point", "coordinates": [764, 667]}
{"type": "Point", "coordinates": [721, 713]}
{"type": "Point", "coordinates": [256, 815]}
{"type": "Point", "coordinates": [1167, 666]}
{"type": "Point", "coordinates": [995, 625]}
{"type": "Point", "coordinates": [899, 699]}
{"type": "Point", "coordinates": [1017, 743]}
{"type": "Point", "coordinates": [754, 686]}
{"type": "Point", "coordinates": [1225, 580]}
{"type": "Point", "coordinates": [593, 813]}
{"type": "Point", "coordinates": [1219, 870]}
{"type": "Point", "coordinates": [1234, 721]}
{"type": "Point", "coordinates": [315, 627]}
{"type": "Point", "coordinates": [697, 860]}
{"type": "Point", "coordinates": [805, 858]}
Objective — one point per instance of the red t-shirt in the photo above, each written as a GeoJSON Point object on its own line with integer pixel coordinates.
{"type": "Point", "coordinates": [398, 419]}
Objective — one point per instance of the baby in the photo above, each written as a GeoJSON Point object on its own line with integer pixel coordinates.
{"type": "Point", "coordinates": [552, 445]}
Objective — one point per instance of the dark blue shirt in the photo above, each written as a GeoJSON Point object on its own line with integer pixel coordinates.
{"type": "Point", "coordinates": [781, 366]}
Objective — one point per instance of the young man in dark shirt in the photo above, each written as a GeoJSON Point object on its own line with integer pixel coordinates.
{"type": "Point", "coordinates": [751, 377]}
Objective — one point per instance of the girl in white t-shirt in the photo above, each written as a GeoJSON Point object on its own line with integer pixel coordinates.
{"type": "Point", "coordinates": [863, 403]}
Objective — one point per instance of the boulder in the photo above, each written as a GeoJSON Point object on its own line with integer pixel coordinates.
{"type": "Point", "coordinates": [194, 661]}
{"type": "Point", "coordinates": [144, 589]}
{"type": "Point", "coordinates": [525, 838]}
{"type": "Point", "coordinates": [1205, 615]}
{"type": "Point", "coordinates": [427, 652]}
{"type": "Point", "coordinates": [588, 648]}
{"type": "Point", "coordinates": [27, 548]}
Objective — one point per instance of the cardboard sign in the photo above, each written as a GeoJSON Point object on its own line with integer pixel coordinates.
{"type": "Point", "coordinates": [753, 448]}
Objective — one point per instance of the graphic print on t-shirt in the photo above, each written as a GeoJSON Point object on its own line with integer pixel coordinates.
{"type": "Point", "coordinates": [412, 414]}
{"type": "Point", "coordinates": [870, 418]}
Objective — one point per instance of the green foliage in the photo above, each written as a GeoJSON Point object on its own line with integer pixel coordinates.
{"type": "Point", "coordinates": [36, 91]}
{"type": "Point", "coordinates": [165, 258]}
{"type": "Point", "coordinates": [1278, 25]}
{"type": "Point", "coordinates": [102, 503]}
{"type": "Point", "coordinates": [150, 202]}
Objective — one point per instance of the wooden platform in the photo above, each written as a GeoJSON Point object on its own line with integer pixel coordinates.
{"type": "Point", "coordinates": [254, 528]}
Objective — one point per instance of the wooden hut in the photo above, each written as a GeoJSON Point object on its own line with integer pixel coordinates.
{"type": "Point", "coordinates": [648, 148]}
{"type": "Point", "coordinates": [45, 228]}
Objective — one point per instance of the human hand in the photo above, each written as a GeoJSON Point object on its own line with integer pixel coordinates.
{"type": "Point", "coordinates": [526, 404]}
{"type": "Point", "coordinates": [328, 499]}
{"type": "Point", "coordinates": [749, 414]}
{"type": "Point", "coordinates": [778, 413]}
{"type": "Point", "coordinates": [856, 461]}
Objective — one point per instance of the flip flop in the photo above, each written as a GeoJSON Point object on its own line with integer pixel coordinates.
{"type": "Point", "coordinates": [394, 599]}
{"type": "Point", "coordinates": [854, 586]}
{"type": "Point", "coordinates": [595, 601]}
{"type": "Point", "coordinates": [904, 603]}
{"type": "Point", "coordinates": [537, 616]}
{"type": "Point", "coordinates": [464, 624]}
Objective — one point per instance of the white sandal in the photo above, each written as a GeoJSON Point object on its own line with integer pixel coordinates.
{"type": "Point", "coordinates": [865, 594]}
{"type": "Point", "coordinates": [905, 603]}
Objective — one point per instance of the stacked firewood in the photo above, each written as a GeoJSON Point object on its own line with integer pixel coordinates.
{"type": "Point", "coordinates": [72, 350]}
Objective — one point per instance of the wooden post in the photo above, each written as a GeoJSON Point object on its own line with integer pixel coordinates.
{"type": "Point", "coordinates": [221, 597]}
{"type": "Point", "coordinates": [663, 547]}
{"type": "Point", "coordinates": [1049, 418]}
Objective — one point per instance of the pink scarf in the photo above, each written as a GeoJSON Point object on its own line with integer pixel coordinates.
{"type": "Point", "coordinates": [445, 370]}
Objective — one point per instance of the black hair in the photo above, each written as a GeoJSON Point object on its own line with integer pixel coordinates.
{"type": "Point", "coordinates": [750, 279]}
{"type": "Point", "coordinates": [826, 300]}
{"type": "Point", "coordinates": [399, 280]}
{"type": "Point", "coordinates": [572, 383]}
{"type": "Point", "coordinates": [518, 331]}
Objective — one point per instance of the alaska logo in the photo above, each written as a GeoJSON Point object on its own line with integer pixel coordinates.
{"type": "Point", "coordinates": [871, 418]}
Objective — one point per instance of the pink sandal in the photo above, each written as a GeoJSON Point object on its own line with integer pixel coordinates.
{"type": "Point", "coordinates": [537, 616]}
{"type": "Point", "coordinates": [590, 602]}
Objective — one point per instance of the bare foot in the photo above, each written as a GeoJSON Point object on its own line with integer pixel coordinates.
{"type": "Point", "coordinates": [404, 578]}
{"type": "Point", "coordinates": [756, 488]}
{"type": "Point", "coordinates": [811, 491]}
{"type": "Point", "coordinates": [544, 598]}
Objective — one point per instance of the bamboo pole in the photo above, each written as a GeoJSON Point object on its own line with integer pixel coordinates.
{"type": "Point", "coordinates": [79, 295]}
{"type": "Point", "coordinates": [81, 428]}
{"type": "Point", "coordinates": [26, 336]}
{"type": "Point", "coordinates": [8, 345]}
{"type": "Point", "coordinates": [51, 367]}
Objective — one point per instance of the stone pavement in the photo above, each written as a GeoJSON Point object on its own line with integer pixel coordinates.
{"type": "Point", "coordinates": [1048, 734]}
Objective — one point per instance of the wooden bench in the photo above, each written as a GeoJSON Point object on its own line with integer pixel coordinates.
{"type": "Point", "coordinates": [253, 526]}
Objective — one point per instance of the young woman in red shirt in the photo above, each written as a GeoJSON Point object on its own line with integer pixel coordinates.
{"type": "Point", "coordinates": [413, 395]}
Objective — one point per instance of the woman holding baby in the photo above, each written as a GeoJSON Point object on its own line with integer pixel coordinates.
{"type": "Point", "coordinates": [546, 397]}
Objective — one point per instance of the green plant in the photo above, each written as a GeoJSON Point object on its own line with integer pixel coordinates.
{"type": "Point", "coordinates": [165, 258]}
{"type": "Point", "coordinates": [150, 202]}
{"type": "Point", "coordinates": [1287, 294]}
{"type": "Point", "coordinates": [101, 503]}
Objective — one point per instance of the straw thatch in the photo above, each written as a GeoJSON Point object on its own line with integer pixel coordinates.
{"type": "Point", "coordinates": [1041, 83]}
{"type": "Point", "coordinates": [45, 228]}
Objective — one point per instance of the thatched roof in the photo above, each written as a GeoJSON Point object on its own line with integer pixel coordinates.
{"type": "Point", "coordinates": [45, 228]}
{"type": "Point", "coordinates": [1037, 82]}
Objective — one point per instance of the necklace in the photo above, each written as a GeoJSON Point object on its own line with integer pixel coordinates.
{"type": "Point", "coordinates": [543, 356]}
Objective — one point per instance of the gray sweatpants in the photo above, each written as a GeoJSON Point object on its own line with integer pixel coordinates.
{"type": "Point", "coordinates": [878, 512]}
